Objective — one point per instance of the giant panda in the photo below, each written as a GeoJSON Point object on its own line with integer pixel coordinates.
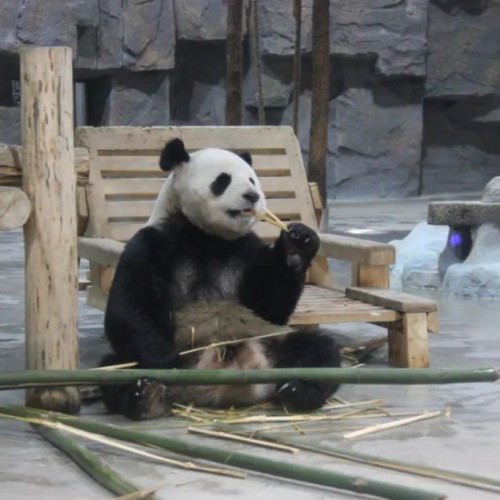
{"type": "Point", "coordinates": [198, 274]}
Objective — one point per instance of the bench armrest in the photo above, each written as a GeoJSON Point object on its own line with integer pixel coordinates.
{"type": "Point", "coordinates": [102, 251]}
{"type": "Point", "coordinates": [357, 250]}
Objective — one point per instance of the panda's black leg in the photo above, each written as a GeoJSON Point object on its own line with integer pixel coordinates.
{"type": "Point", "coordinates": [145, 399]}
{"type": "Point", "coordinates": [306, 349]}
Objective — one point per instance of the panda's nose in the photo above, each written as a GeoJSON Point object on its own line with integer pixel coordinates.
{"type": "Point", "coordinates": [251, 196]}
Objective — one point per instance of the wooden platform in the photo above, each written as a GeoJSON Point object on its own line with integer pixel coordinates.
{"type": "Point", "coordinates": [320, 305]}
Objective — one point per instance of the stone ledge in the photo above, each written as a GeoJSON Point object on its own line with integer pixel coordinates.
{"type": "Point", "coordinates": [463, 213]}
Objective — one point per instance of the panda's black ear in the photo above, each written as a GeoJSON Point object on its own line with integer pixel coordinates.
{"type": "Point", "coordinates": [246, 156]}
{"type": "Point", "coordinates": [174, 153]}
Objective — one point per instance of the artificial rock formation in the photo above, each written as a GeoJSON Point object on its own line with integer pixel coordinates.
{"type": "Point", "coordinates": [414, 84]}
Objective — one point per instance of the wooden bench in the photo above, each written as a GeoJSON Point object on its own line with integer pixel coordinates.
{"type": "Point", "coordinates": [124, 180]}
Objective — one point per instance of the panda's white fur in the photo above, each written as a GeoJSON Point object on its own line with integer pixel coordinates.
{"type": "Point", "coordinates": [187, 190]}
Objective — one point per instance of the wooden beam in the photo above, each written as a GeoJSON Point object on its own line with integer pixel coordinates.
{"type": "Point", "coordinates": [50, 233]}
{"type": "Point", "coordinates": [398, 301]}
{"type": "Point", "coordinates": [15, 208]}
{"type": "Point", "coordinates": [356, 250]}
{"type": "Point", "coordinates": [102, 251]}
{"type": "Point", "coordinates": [11, 165]}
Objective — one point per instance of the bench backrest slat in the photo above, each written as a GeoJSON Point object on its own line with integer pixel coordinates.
{"type": "Point", "coordinates": [124, 176]}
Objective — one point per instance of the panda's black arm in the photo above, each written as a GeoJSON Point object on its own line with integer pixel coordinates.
{"type": "Point", "coordinates": [273, 282]}
{"type": "Point", "coordinates": [138, 321]}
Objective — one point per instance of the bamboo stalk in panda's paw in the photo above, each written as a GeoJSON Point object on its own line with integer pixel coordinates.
{"type": "Point", "coordinates": [271, 219]}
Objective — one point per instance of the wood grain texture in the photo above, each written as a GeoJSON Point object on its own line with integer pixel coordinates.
{"type": "Point", "coordinates": [356, 250]}
{"type": "Point", "coordinates": [15, 208]}
{"type": "Point", "coordinates": [408, 343]}
{"type": "Point", "coordinates": [364, 275]}
{"type": "Point", "coordinates": [11, 170]}
{"type": "Point", "coordinates": [399, 301]}
{"type": "Point", "coordinates": [50, 233]}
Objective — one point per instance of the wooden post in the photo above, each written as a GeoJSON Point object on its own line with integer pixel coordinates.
{"type": "Point", "coordinates": [374, 276]}
{"type": "Point", "coordinates": [50, 233]}
{"type": "Point", "coordinates": [408, 342]}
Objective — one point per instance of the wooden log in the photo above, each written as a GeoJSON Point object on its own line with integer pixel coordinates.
{"type": "Point", "coordinates": [50, 233]}
{"type": "Point", "coordinates": [15, 208]}
{"type": "Point", "coordinates": [371, 253]}
{"type": "Point", "coordinates": [11, 165]}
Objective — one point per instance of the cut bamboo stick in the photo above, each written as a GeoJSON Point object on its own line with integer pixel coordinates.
{"type": "Point", "coordinates": [44, 378]}
{"type": "Point", "coordinates": [87, 461]}
{"type": "Point", "coordinates": [283, 469]}
{"type": "Point", "coordinates": [243, 439]}
{"type": "Point", "coordinates": [59, 426]}
{"type": "Point", "coordinates": [117, 367]}
{"type": "Point", "coordinates": [142, 494]}
{"type": "Point", "coordinates": [462, 478]}
{"type": "Point", "coordinates": [230, 342]}
{"type": "Point", "coordinates": [270, 218]}
{"type": "Point", "coordinates": [392, 425]}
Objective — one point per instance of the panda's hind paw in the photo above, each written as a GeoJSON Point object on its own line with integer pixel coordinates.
{"type": "Point", "coordinates": [298, 395]}
{"type": "Point", "coordinates": [146, 399]}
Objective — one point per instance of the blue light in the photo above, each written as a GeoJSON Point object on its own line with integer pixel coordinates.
{"type": "Point", "coordinates": [455, 240]}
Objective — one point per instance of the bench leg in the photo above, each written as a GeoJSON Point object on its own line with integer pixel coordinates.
{"type": "Point", "coordinates": [369, 276]}
{"type": "Point", "coordinates": [408, 342]}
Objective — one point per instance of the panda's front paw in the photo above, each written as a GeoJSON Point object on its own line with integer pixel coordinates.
{"type": "Point", "coordinates": [301, 244]}
{"type": "Point", "coordinates": [146, 399]}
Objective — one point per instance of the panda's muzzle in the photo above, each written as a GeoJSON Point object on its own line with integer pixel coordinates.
{"type": "Point", "coordinates": [250, 196]}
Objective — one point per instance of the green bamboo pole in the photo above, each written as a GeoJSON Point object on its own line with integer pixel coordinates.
{"type": "Point", "coordinates": [267, 466]}
{"type": "Point", "coordinates": [36, 378]}
{"type": "Point", "coordinates": [462, 478]}
{"type": "Point", "coordinates": [87, 461]}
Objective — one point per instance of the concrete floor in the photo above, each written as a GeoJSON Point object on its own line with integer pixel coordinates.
{"type": "Point", "coordinates": [468, 440]}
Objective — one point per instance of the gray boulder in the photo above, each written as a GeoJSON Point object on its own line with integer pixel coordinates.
{"type": "Point", "coordinates": [201, 20]}
{"type": "Point", "coordinates": [392, 30]}
{"type": "Point", "coordinates": [140, 99]}
{"type": "Point", "coordinates": [208, 104]}
{"type": "Point", "coordinates": [277, 27]}
{"type": "Point", "coordinates": [417, 257]}
{"type": "Point", "coordinates": [456, 142]}
{"type": "Point", "coordinates": [148, 34]}
{"type": "Point", "coordinates": [374, 144]}
{"type": "Point", "coordinates": [479, 274]}
{"type": "Point", "coordinates": [10, 125]}
{"type": "Point", "coordinates": [464, 51]}
{"type": "Point", "coordinates": [276, 84]}
{"type": "Point", "coordinates": [8, 21]}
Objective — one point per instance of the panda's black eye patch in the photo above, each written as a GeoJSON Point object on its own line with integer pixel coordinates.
{"type": "Point", "coordinates": [252, 181]}
{"type": "Point", "coordinates": [220, 184]}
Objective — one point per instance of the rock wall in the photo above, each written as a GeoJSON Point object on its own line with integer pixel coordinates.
{"type": "Point", "coordinates": [415, 84]}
